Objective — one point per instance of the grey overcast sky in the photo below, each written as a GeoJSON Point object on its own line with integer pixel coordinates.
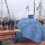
{"type": "Point", "coordinates": [17, 7]}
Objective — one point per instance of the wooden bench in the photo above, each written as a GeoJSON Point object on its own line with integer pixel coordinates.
{"type": "Point", "coordinates": [7, 35]}
{"type": "Point", "coordinates": [42, 43]}
{"type": "Point", "coordinates": [29, 43]}
{"type": "Point", "coordinates": [25, 43]}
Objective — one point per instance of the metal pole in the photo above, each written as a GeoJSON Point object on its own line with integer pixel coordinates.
{"type": "Point", "coordinates": [1, 8]}
{"type": "Point", "coordinates": [34, 7]}
{"type": "Point", "coordinates": [7, 8]}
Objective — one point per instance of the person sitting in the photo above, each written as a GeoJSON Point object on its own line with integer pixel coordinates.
{"type": "Point", "coordinates": [30, 29]}
{"type": "Point", "coordinates": [5, 24]}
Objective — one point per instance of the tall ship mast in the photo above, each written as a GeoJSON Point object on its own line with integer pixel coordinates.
{"type": "Point", "coordinates": [1, 9]}
{"type": "Point", "coordinates": [7, 8]}
{"type": "Point", "coordinates": [1, 18]}
{"type": "Point", "coordinates": [28, 8]}
{"type": "Point", "coordinates": [34, 7]}
{"type": "Point", "coordinates": [40, 10]}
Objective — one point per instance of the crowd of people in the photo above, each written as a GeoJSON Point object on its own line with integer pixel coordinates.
{"type": "Point", "coordinates": [7, 23]}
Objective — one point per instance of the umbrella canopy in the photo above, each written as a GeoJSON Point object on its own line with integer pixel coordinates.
{"type": "Point", "coordinates": [32, 29]}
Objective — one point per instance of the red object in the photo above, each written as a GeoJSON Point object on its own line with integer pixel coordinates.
{"type": "Point", "coordinates": [9, 32]}
{"type": "Point", "coordinates": [7, 38]}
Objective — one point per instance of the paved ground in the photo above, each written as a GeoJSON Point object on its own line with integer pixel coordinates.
{"type": "Point", "coordinates": [7, 42]}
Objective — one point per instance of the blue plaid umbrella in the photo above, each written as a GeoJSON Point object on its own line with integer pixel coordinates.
{"type": "Point", "coordinates": [31, 29]}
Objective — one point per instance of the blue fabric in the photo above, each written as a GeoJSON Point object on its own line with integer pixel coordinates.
{"type": "Point", "coordinates": [31, 29]}
{"type": "Point", "coordinates": [19, 37]}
